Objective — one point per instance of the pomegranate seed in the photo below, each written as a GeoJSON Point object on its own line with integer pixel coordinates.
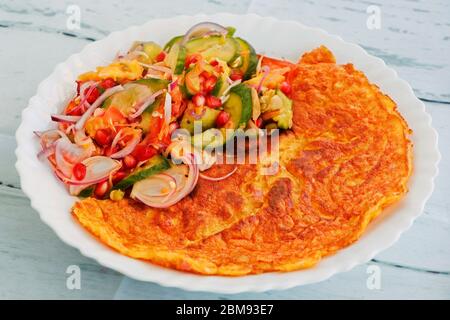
{"type": "Point", "coordinates": [107, 83]}
{"type": "Point", "coordinates": [130, 161]}
{"type": "Point", "coordinates": [198, 99]}
{"type": "Point", "coordinates": [236, 76]}
{"type": "Point", "coordinates": [95, 93]}
{"type": "Point", "coordinates": [222, 118]}
{"type": "Point", "coordinates": [285, 87]}
{"type": "Point", "coordinates": [143, 152]}
{"type": "Point", "coordinates": [103, 137]}
{"type": "Point", "coordinates": [161, 56]}
{"type": "Point", "coordinates": [101, 188]}
{"type": "Point", "coordinates": [213, 102]}
{"type": "Point", "coordinates": [193, 58]}
{"type": "Point", "coordinates": [79, 171]}
{"type": "Point", "coordinates": [214, 62]}
{"type": "Point", "coordinates": [209, 83]}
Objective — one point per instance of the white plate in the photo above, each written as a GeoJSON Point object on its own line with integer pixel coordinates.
{"type": "Point", "coordinates": [270, 36]}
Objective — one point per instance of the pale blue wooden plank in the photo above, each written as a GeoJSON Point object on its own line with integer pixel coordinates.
{"type": "Point", "coordinates": [396, 283]}
{"type": "Point", "coordinates": [414, 37]}
{"type": "Point", "coordinates": [33, 261]}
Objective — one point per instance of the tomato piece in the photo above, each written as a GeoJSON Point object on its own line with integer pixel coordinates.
{"type": "Point", "coordinates": [110, 150]}
{"type": "Point", "coordinates": [79, 171]}
{"type": "Point", "coordinates": [107, 83]}
{"type": "Point", "coordinates": [213, 102]}
{"type": "Point", "coordinates": [144, 152]}
{"type": "Point", "coordinates": [103, 136]}
{"type": "Point", "coordinates": [276, 63]}
{"type": "Point", "coordinates": [178, 103]}
{"type": "Point", "coordinates": [214, 62]}
{"type": "Point", "coordinates": [73, 110]}
{"type": "Point", "coordinates": [93, 95]}
{"type": "Point", "coordinates": [114, 115]}
{"type": "Point", "coordinates": [222, 119]}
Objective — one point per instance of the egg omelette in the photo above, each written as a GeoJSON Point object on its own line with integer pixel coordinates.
{"type": "Point", "coordinates": [346, 158]}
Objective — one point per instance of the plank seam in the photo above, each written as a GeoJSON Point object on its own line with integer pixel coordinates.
{"type": "Point", "coordinates": [411, 268]}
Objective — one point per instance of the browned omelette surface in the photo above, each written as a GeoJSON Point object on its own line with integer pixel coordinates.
{"type": "Point", "coordinates": [347, 157]}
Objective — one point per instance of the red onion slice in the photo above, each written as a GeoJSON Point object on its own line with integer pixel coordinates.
{"type": "Point", "coordinates": [84, 86]}
{"type": "Point", "coordinates": [197, 116]}
{"type": "Point", "coordinates": [46, 152]}
{"type": "Point", "coordinates": [98, 169]}
{"type": "Point", "coordinates": [49, 137]}
{"type": "Point", "coordinates": [67, 154]}
{"type": "Point", "coordinates": [108, 92]}
{"type": "Point", "coordinates": [202, 29]}
{"type": "Point", "coordinates": [65, 118]}
{"type": "Point", "coordinates": [266, 71]}
{"type": "Point", "coordinates": [173, 84]}
{"type": "Point", "coordinates": [232, 84]}
{"type": "Point", "coordinates": [139, 190]}
{"type": "Point", "coordinates": [167, 108]}
{"type": "Point", "coordinates": [144, 104]}
{"type": "Point", "coordinates": [157, 68]}
{"type": "Point", "coordinates": [83, 97]}
{"type": "Point", "coordinates": [128, 148]}
{"type": "Point", "coordinates": [156, 186]}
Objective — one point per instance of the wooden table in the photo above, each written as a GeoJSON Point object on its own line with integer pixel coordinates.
{"type": "Point", "coordinates": [414, 39]}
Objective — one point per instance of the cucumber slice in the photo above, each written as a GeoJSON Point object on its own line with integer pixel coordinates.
{"type": "Point", "coordinates": [212, 138]}
{"type": "Point", "coordinates": [192, 82]}
{"type": "Point", "coordinates": [171, 42]}
{"type": "Point", "coordinates": [152, 49]}
{"type": "Point", "coordinates": [249, 59]}
{"type": "Point", "coordinates": [87, 192]}
{"type": "Point", "coordinates": [154, 85]}
{"type": "Point", "coordinates": [176, 58]}
{"type": "Point", "coordinates": [184, 91]}
{"type": "Point", "coordinates": [206, 121]}
{"type": "Point", "coordinates": [147, 120]}
{"type": "Point", "coordinates": [221, 86]}
{"type": "Point", "coordinates": [224, 48]}
{"type": "Point", "coordinates": [126, 99]}
{"type": "Point", "coordinates": [239, 105]}
{"type": "Point", "coordinates": [155, 165]}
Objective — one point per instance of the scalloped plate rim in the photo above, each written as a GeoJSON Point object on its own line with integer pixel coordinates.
{"type": "Point", "coordinates": [252, 283]}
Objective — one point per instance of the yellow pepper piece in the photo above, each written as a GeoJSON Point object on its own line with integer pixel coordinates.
{"type": "Point", "coordinates": [118, 70]}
